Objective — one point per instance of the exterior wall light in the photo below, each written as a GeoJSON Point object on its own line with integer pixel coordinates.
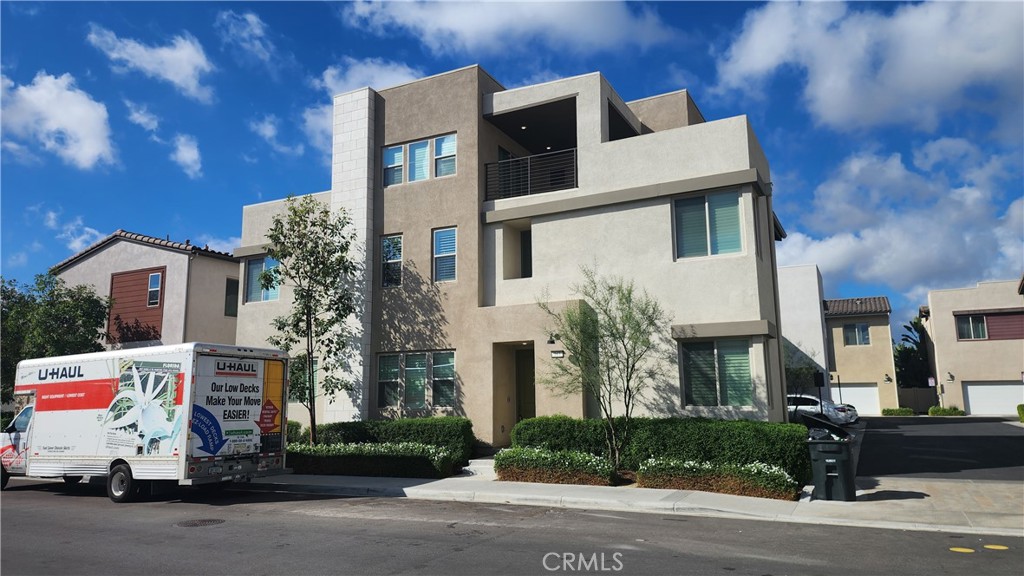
{"type": "Point", "coordinates": [558, 353]}
{"type": "Point", "coordinates": [888, 379]}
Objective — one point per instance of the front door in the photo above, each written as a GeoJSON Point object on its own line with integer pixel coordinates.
{"type": "Point", "coordinates": [526, 395]}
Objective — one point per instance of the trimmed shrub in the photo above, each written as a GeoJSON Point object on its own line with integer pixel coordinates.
{"type": "Point", "coordinates": [5, 419]}
{"type": "Point", "coordinates": [401, 460]}
{"type": "Point", "coordinates": [451, 432]}
{"type": "Point", "coordinates": [552, 467]}
{"type": "Point", "coordinates": [950, 411]}
{"type": "Point", "coordinates": [1020, 412]}
{"type": "Point", "coordinates": [755, 479]}
{"type": "Point", "coordinates": [697, 439]}
{"type": "Point", "coordinates": [295, 431]}
{"type": "Point", "coordinates": [901, 411]}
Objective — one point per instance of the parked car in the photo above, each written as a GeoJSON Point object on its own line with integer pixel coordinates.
{"type": "Point", "coordinates": [807, 404]}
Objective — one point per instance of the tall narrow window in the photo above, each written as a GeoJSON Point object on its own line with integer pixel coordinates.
{"type": "Point", "coordinates": [717, 373]}
{"type": "Point", "coordinates": [391, 257]}
{"type": "Point", "coordinates": [254, 292]}
{"type": "Point", "coordinates": [444, 255]}
{"type": "Point", "coordinates": [856, 334]}
{"type": "Point", "coordinates": [153, 296]}
{"type": "Point", "coordinates": [444, 155]}
{"type": "Point", "coordinates": [526, 254]}
{"type": "Point", "coordinates": [389, 392]}
{"type": "Point", "coordinates": [708, 225]}
{"type": "Point", "coordinates": [393, 162]}
{"type": "Point", "coordinates": [419, 161]}
{"type": "Point", "coordinates": [416, 380]}
{"type": "Point", "coordinates": [971, 328]}
{"type": "Point", "coordinates": [443, 378]}
{"type": "Point", "coordinates": [231, 297]}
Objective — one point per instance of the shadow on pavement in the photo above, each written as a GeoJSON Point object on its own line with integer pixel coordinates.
{"type": "Point", "coordinates": [883, 495]}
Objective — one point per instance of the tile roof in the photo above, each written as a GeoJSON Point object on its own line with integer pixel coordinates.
{"type": "Point", "coordinates": [186, 247]}
{"type": "Point", "coordinates": [857, 306]}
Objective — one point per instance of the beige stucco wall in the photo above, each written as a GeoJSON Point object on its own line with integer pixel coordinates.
{"type": "Point", "coordinates": [864, 364]}
{"type": "Point", "coordinates": [971, 360]}
{"type": "Point", "coordinates": [666, 111]}
{"type": "Point", "coordinates": [122, 256]}
{"type": "Point", "coordinates": [205, 320]}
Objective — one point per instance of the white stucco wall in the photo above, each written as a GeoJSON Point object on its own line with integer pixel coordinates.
{"type": "Point", "coordinates": [803, 318]}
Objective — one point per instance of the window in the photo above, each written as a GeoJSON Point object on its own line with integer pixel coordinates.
{"type": "Point", "coordinates": [391, 257]}
{"type": "Point", "coordinates": [717, 373]}
{"type": "Point", "coordinates": [393, 165]}
{"type": "Point", "coordinates": [971, 328]}
{"type": "Point", "coordinates": [254, 292]}
{"type": "Point", "coordinates": [24, 418]}
{"type": "Point", "coordinates": [418, 166]}
{"type": "Point", "coordinates": [153, 297]}
{"type": "Point", "coordinates": [231, 297]}
{"type": "Point", "coordinates": [443, 378]}
{"type": "Point", "coordinates": [525, 254]}
{"type": "Point", "coordinates": [441, 149]}
{"type": "Point", "coordinates": [856, 335]}
{"type": "Point", "coordinates": [444, 156]}
{"type": "Point", "coordinates": [406, 379]}
{"type": "Point", "coordinates": [708, 225]}
{"type": "Point", "coordinates": [444, 255]}
{"type": "Point", "coordinates": [389, 391]}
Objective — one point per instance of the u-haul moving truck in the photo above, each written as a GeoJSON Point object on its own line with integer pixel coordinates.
{"type": "Point", "coordinates": [187, 413]}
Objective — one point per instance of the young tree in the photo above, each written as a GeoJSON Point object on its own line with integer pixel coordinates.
{"type": "Point", "coordinates": [911, 356]}
{"type": "Point", "coordinates": [47, 318]}
{"type": "Point", "coordinates": [313, 248]}
{"type": "Point", "coordinates": [615, 339]}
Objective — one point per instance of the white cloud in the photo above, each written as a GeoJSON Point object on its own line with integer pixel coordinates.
{"type": "Point", "coordinates": [183, 62]}
{"type": "Point", "coordinates": [19, 153]}
{"type": "Point", "coordinates": [246, 35]}
{"type": "Point", "coordinates": [140, 115]}
{"type": "Point", "coordinates": [78, 236]}
{"type": "Point", "coordinates": [17, 260]}
{"type": "Point", "coordinates": [267, 129]}
{"type": "Point", "coordinates": [945, 228]}
{"type": "Point", "coordinates": [351, 74]}
{"type": "Point", "coordinates": [503, 27]}
{"type": "Point", "coordinates": [865, 68]}
{"type": "Point", "coordinates": [186, 155]}
{"type": "Point", "coordinates": [53, 113]}
{"type": "Point", "coordinates": [219, 244]}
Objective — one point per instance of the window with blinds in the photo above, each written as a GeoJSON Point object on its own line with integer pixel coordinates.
{"type": "Point", "coordinates": [418, 161]}
{"type": "Point", "coordinates": [254, 292]}
{"type": "Point", "coordinates": [416, 380]}
{"type": "Point", "coordinates": [418, 156]}
{"type": "Point", "coordinates": [856, 334]}
{"type": "Point", "coordinates": [391, 260]}
{"type": "Point", "coordinates": [717, 373]}
{"type": "Point", "coordinates": [708, 225]}
{"type": "Point", "coordinates": [444, 255]}
{"type": "Point", "coordinates": [444, 155]}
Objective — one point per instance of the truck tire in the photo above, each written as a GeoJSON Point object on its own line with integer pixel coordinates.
{"type": "Point", "coordinates": [71, 480]}
{"type": "Point", "coordinates": [121, 486]}
{"type": "Point", "coordinates": [4, 477]}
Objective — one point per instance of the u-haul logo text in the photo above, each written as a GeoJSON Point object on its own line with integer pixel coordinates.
{"type": "Point", "coordinates": [62, 373]}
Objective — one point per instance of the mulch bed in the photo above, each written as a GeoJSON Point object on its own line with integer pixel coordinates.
{"type": "Point", "coordinates": [550, 476]}
{"type": "Point", "coordinates": [720, 484]}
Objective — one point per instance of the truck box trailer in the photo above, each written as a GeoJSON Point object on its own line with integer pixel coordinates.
{"type": "Point", "coordinates": [189, 414]}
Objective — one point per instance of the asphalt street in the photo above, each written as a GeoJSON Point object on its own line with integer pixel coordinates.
{"type": "Point", "coordinates": [52, 529]}
{"type": "Point", "coordinates": [962, 448]}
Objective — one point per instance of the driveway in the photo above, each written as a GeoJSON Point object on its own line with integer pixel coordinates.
{"type": "Point", "coordinates": [956, 448]}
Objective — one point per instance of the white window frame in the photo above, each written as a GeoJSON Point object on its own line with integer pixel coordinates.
{"type": "Point", "coordinates": [433, 156]}
{"type": "Point", "coordinates": [974, 322]}
{"type": "Point", "coordinates": [399, 165]}
{"type": "Point", "coordinates": [438, 156]}
{"type": "Point", "coordinates": [385, 262]}
{"type": "Point", "coordinates": [150, 289]}
{"type": "Point", "coordinates": [266, 295]}
{"type": "Point", "coordinates": [453, 254]}
{"type": "Point", "coordinates": [858, 341]}
{"type": "Point", "coordinates": [707, 226]}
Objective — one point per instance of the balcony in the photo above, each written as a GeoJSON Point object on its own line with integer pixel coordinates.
{"type": "Point", "coordinates": [535, 174]}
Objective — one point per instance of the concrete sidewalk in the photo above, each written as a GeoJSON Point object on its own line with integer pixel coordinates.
{"type": "Point", "coordinates": [995, 508]}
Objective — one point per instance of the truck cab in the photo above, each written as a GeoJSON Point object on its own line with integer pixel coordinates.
{"type": "Point", "coordinates": [14, 444]}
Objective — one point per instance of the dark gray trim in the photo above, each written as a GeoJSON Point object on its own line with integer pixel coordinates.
{"type": "Point", "coordinates": [725, 330]}
{"type": "Point", "coordinates": [988, 311]}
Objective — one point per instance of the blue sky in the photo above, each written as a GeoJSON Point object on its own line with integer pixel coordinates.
{"type": "Point", "coordinates": [895, 132]}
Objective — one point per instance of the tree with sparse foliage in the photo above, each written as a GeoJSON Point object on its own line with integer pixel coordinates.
{"type": "Point", "coordinates": [313, 249]}
{"type": "Point", "coordinates": [47, 318]}
{"type": "Point", "coordinates": [911, 356]}
{"type": "Point", "coordinates": [616, 347]}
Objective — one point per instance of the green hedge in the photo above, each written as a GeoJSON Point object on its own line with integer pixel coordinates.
{"type": "Point", "coordinates": [451, 432]}
{"type": "Point", "coordinates": [1020, 412]}
{"type": "Point", "coordinates": [294, 431]}
{"type": "Point", "coordinates": [559, 467]}
{"type": "Point", "coordinates": [400, 460]}
{"type": "Point", "coordinates": [5, 419]}
{"type": "Point", "coordinates": [940, 411]}
{"type": "Point", "coordinates": [663, 472]}
{"type": "Point", "coordinates": [698, 439]}
{"type": "Point", "coordinates": [901, 411]}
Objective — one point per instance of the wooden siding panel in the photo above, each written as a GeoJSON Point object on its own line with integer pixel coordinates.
{"type": "Point", "coordinates": [1005, 326]}
{"type": "Point", "coordinates": [130, 292]}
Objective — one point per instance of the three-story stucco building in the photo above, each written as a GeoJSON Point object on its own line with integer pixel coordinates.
{"type": "Point", "coordinates": [473, 201]}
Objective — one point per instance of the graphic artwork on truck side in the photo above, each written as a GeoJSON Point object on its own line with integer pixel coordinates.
{"type": "Point", "coordinates": [146, 406]}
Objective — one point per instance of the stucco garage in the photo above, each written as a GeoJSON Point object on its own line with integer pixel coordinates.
{"type": "Point", "coordinates": [993, 398]}
{"type": "Point", "coordinates": [864, 397]}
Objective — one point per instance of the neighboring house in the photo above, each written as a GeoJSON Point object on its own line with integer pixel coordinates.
{"type": "Point", "coordinates": [860, 357]}
{"type": "Point", "coordinates": [976, 346]}
{"type": "Point", "coordinates": [804, 337]}
{"type": "Point", "coordinates": [163, 292]}
{"type": "Point", "coordinates": [473, 201]}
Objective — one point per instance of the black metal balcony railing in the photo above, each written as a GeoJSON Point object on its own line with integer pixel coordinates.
{"type": "Point", "coordinates": [531, 175]}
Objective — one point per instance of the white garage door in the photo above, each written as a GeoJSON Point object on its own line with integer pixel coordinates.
{"type": "Point", "coordinates": [864, 397]}
{"type": "Point", "coordinates": [993, 398]}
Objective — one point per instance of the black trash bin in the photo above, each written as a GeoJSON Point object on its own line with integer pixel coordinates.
{"type": "Point", "coordinates": [831, 461]}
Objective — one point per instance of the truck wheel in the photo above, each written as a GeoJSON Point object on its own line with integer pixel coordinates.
{"type": "Point", "coordinates": [121, 486]}
{"type": "Point", "coordinates": [69, 480]}
{"type": "Point", "coordinates": [4, 477]}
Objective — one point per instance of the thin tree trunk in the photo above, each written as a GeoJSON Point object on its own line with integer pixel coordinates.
{"type": "Point", "coordinates": [310, 376]}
